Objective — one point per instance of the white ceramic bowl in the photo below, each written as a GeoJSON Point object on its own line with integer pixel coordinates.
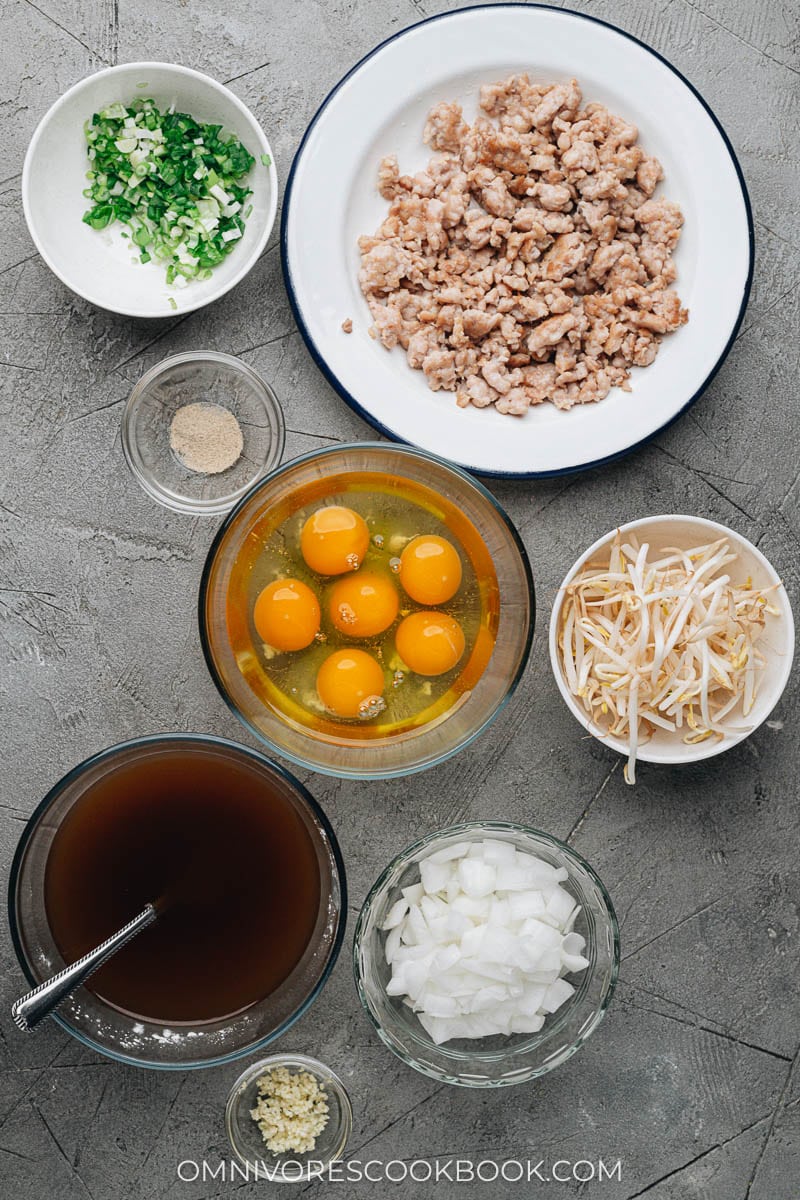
{"type": "Point", "coordinates": [777, 644]}
{"type": "Point", "coordinates": [380, 107]}
{"type": "Point", "coordinates": [98, 264]}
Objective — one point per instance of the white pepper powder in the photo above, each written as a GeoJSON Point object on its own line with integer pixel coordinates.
{"type": "Point", "coordinates": [206, 438]}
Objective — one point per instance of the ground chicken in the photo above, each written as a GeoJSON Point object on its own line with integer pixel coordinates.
{"type": "Point", "coordinates": [530, 261]}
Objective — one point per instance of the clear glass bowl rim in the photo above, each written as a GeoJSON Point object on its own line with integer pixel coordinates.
{"type": "Point", "coordinates": [130, 449]}
{"type": "Point", "coordinates": [403, 450]}
{"type": "Point", "coordinates": [489, 827]}
{"type": "Point", "coordinates": [154, 740]}
{"type": "Point", "coordinates": [306, 1063]}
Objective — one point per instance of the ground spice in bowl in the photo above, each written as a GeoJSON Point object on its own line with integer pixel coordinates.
{"type": "Point", "coordinates": [206, 438]}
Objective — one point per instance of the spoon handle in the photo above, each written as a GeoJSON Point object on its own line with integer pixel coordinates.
{"type": "Point", "coordinates": [39, 1003]}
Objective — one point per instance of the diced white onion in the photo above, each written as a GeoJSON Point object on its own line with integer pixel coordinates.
{"type": "Point", "coordinates": [480, 945]}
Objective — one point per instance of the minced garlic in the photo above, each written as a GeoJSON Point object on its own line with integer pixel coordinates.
{"type": "Point", "coordinates": [291, 1112]}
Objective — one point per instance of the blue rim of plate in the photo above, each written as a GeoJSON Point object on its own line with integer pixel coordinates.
{"type": "Point", "coordinates": [157, 739]}
{"type": "Point", "coordinates": [351, 400]}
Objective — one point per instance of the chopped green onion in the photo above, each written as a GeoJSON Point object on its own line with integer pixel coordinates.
{"type": "Point", "coordinates": [266, 160]}
{"type": "Point", "coordinates": [99, 216]}
{"type": "Point", "coordinates": [174, 181]}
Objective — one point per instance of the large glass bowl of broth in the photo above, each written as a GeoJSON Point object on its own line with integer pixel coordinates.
{"type": "Point", "coordinates": [367, 610]}
{"type": "Point", "coordinates": [244, 870]}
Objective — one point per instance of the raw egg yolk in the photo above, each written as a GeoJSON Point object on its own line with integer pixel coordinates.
{"type": "Point", "coordinates": [334, 540]}
{"type": "Point", "coordinates": [286, 615]}
{"type": "Point", "coordinates": [430, 643]}
{"type": "Point", "coordinates": [350, 684]}
{"type": "Point", "coordinates": [363, 605]}
{"type": "Point", "coordinates": [430, 569]}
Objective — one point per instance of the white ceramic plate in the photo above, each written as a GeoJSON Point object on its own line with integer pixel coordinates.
{"type": "Point", "coordinates": [99, 265]}
{"type": "Point", "coordinates": [380, 107]}
{"type": "Point", "coordinates": [777, 645]}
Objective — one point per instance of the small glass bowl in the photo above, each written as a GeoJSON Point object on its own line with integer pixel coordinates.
{"type": "Point", "coordinates": [497, 1061]}
{"type": "Point", "coordinates": [245, 1136]}
{"type": "Point", "coordinates": [200, 376]}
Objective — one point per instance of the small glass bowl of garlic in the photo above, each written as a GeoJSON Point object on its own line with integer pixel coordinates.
{"type": "Point", "coordinates": [486, 954]}
{"type": "Point", "coordinates": [288, 1119]}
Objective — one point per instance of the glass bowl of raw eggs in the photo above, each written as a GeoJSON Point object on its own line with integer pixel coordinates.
{"type": "Point", "coordinates": [367, 610]}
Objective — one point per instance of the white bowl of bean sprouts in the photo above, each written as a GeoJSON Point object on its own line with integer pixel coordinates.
{"type": "Point", "coordinates": [671, 639]}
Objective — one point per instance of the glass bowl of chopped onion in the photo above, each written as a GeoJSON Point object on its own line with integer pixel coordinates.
{"type": "Point", "coordinates": [199, 429]}
{"type": "Point", "coordinates": [288, 1117]}
{"type": "Point", "coordinates": [486, 954]}
{"type": "Point", "coordinates": [671, 639]}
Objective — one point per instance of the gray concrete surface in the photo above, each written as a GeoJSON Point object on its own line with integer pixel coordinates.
{"type": "Point", "coordinates": [692, 1079]}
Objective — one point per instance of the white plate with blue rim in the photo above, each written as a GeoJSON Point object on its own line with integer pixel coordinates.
{"type": "Point", "coordinates": [379, 108]}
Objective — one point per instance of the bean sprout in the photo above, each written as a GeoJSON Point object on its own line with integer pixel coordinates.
{"type": "Point", "coordinates": [669, 644]}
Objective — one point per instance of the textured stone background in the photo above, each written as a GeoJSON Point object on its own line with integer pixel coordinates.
{"type": "Point", "coordinates": [691, 1080]}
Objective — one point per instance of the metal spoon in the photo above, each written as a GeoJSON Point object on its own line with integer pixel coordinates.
{"type": "Point", "coordinates": [39, 1003]}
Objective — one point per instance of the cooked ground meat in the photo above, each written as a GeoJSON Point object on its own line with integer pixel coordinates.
{"type": "Point", "coordinates": [529, 261]}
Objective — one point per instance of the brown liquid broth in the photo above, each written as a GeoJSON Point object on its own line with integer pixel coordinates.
{"type": "Point", "coordinates": [226, 855]}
